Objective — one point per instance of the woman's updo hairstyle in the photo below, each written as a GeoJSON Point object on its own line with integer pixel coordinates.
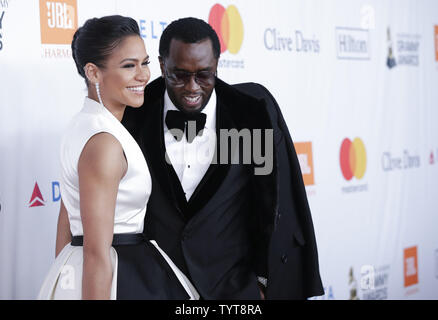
{"type": "Point", "coordinates": [98, 37]}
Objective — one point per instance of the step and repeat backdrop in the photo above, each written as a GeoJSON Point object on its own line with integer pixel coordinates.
{"type": "Point", "coordinates": [357, 82]}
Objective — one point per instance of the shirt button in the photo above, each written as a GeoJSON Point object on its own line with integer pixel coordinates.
{"type": "Point", "coordinates": [284, 258]}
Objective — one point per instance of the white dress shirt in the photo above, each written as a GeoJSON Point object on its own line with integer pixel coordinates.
{"type": "Point", "coordinates": [191, 160]}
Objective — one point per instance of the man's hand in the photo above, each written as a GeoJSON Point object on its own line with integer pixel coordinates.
{"type": "Point", "coordinates": [262, 295]}
{"type": "Point", "coordinates": [262, 289]}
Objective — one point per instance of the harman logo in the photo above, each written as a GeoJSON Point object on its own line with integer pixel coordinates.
{"type": "Point", "coordinates": [305, 158]}
{"type": "Point", "coordinates": [37, 199]}
{"type": "Point", "coordinates": [352, 43]}
{"type": "Point", "coordinates": [229, 27]}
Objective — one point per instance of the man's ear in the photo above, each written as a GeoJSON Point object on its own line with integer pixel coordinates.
{"type": "Point", "coordinates": [161, 60]}
{"type": "Point", "coordinates": [92, 73]}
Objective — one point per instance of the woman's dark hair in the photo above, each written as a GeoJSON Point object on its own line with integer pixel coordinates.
{"type": "Point", "coordinates": [188, 30]}
{"type": "Point", "coordinates": [98, 37]}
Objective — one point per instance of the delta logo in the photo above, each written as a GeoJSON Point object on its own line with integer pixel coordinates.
{"type": "Point", "coordinates": [353, 158]}
{"type": "Point", "coordinates": [228, 25]}
{"type": "Point", "coordinates": [37, 199]}
{"type": "Point", "coordinates": [410, 266]}
{"type": "Point", "coordinates": [58, 20]}
{"type": "Point", "coordinates": [305, 158]}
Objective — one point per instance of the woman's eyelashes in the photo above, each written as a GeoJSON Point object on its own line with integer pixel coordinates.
{"type": "Point", "coordinates": [131, 65]}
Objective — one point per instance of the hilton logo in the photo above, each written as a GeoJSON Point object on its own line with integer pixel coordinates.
{"type": "Point", "coordinates": [352, 43]}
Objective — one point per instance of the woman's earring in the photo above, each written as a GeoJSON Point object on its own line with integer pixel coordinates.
{"type": "Point", "coordinates": [98, 93]}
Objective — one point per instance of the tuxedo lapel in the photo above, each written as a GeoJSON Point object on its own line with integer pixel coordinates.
{"type": "Point", "coordinates": [235, 110]}
{"type": "Point", "coordinates": [153, 141]}
{"type": "Point", "coordinates": [216, 172]}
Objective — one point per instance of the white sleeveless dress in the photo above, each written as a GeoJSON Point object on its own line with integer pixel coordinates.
{"type": "Point", "coordinates": [141, 271]}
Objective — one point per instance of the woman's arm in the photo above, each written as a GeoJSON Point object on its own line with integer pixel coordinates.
{"type": "Point", "coordinates": [101, 167]}
{"type": "Point", "coordinates": [63, 235]}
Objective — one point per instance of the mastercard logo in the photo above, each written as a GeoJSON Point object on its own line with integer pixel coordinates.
{"type": "Point", "coordinates": [228, 25]}
{"type": "Point", "coordinates": [353, 158]}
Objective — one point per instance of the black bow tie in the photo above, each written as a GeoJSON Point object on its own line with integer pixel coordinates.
{"type": "Point", "coordinates": [191, 123]}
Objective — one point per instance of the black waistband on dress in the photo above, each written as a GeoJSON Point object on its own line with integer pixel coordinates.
{"type": "Point", "coordinates": [119, 239]}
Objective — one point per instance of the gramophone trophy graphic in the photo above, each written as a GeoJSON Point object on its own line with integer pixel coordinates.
{"type": "Point", "coordinates": [390, 61]}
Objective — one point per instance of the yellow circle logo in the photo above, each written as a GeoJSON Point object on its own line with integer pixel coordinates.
{"type": "Point", "coordinates": [228, 25]}
{"type": "Point", "coordinates": [353, 158]}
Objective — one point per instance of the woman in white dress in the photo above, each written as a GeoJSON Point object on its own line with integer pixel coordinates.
{"type": "Point", "coordinates": [105, 182]}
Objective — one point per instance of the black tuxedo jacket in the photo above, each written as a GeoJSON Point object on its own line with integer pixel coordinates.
{"type": "Point", "coordinates": [236, 225]}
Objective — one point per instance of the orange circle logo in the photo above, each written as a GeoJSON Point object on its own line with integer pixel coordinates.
{"type": "Point", "coordinates": [228, 25]}
{"type": "Point", "coordinates": [353, 158]}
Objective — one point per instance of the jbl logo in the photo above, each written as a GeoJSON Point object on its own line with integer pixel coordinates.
{"type": "Point", "coordinates": [410, 266]}
{"type": "Point", "coordinates": [305, 158]}
{"type": "Point", "coordinates": [58, 20]}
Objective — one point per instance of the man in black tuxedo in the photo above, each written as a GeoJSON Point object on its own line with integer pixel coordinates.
{"type": "Point", "coordinates": [236, 229]}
